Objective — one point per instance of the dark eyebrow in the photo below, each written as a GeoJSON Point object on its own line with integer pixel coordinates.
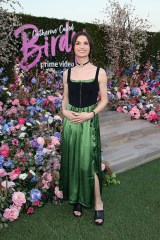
{"type": "Point", "coordinates": [83, 42]}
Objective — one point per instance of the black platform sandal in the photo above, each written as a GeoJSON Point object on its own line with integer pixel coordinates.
{"type": "Point", "coordinates": [99, 215]}
{"type": "Point", "coordinates": [77, 208]}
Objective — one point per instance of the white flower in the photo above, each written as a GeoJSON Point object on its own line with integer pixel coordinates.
{"type": "Point", "coordinates": [50, 119]}
{"type": "Point", "coordinates": [38, 122]}
{"type": "Point", "coordinates": [9, 93]}
{"type": "Point", "coordinates": [33, 173]}
{"type": "Point", "coordinates": [47, 114]}
{"type": "Point", "coordinates": [22, 135]}
{"type": "Point", "coordinates": [23, 176]}
{"type": "Point", "coordinates": [28, 124]}
{"type": "Point", "coordinates": [23, 128]}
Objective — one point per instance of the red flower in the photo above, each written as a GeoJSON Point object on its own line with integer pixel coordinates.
{"type": "Point", "coordinates": [36, 203]}
{"type": "Point", "coordinates": [21, 121]}
{"type": "Point", "coordinates": [30, 210]}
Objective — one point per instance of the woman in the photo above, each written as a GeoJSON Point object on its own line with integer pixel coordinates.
{"type": "Point", "coordinates": [81, 149]}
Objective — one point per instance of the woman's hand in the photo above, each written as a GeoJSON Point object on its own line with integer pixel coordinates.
{"type": "Point", "coordinates": [82, 117]}
{"type": "Point", "coordinates": [70, 115]}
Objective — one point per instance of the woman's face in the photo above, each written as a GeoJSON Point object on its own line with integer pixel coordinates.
{"type": "Point", "coordinates": [82, 47]}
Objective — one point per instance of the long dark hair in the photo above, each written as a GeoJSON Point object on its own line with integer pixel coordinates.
{"type": "Point", "coordinates": [74, 39]}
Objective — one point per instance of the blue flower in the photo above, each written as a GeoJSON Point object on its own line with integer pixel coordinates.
{"type": "Point", "coordinates": [33, 80]}
{"type": "Point", "coordinates": [35, 194]}
{"type": "Point", "coordinates": [1, 70]}
{"type": "Point", "coordinates": [1, 159]}
{"type": "Point", "coordinates": [8, 164]}
{"type": "Point", "coordinates": [39, 160]}
{"type": "Point", "coordinates": [57, 134]}
{"type": "Point", "coordinates": [34, 179]}
{"type": "Point", "coordinates": [134, 91]}
{"type": "Point", "coordinates": [4, 79]}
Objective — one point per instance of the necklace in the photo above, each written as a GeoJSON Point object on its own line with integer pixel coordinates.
{"type": "Point", "coordinates": [82, 64]}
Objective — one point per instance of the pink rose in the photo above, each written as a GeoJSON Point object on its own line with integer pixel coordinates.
{"type": "Point", "coordinates": [11, 213]}
{"type": "Point", "coordinates": [15, 102]}
{"type": "Point", "coordinates": [18, 198]}
{"type": "Point", "coordinates": [2, 173]}
{"type": "Point", "coordinates": [1, 103]}
{"type": "Point", "coordinates": [135, 113]}
{"type": "Point", "coordinates": [21, 121]}
{"type": "Point", "coordinates": [58, 193]}
{"type": "Point", "coordinates": [4, 150]}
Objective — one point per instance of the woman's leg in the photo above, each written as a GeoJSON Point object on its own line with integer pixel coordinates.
{"type": "Point", "coordinates": [98, 201]}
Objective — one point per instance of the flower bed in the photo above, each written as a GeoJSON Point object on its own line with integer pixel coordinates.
{"type": "Point", "coordinates": [137, 92]}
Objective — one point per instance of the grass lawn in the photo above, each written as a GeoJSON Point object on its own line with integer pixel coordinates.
{"type": "Point", "coordinates": [132, 211]}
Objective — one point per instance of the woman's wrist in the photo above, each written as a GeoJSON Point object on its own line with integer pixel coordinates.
{"type": "Point", "coordinates": [64, 111]}
{"type": "Point", "coordinates": [93, 113]}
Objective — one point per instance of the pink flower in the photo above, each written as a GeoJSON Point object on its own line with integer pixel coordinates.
{"type": "Point", "coordinates": [30, 210]}
{"type": "Point", "coordinates": [1, 103]}
{"type": "Point", "coordinates": [152, 116]}
{"type": "Point", "coordinates": [18, 198]}
{"type": "Point", "coordinates": [36, 203]}
{"type": "Point", "coordinates": [51, 98]}
{"type": "Point", "coordinates": [40, 140]}
{"type": "Point", "coordinates": [19, 152]}
{"type": "Point", "coordinates": [32, 101]}
{"type": "Point", "coordinates": [55, 140]}
{"type": "Point", "coordinates": [21, 121]}
{"type": "Point", "coordinates": [15, 102]}
{"type": "Point", "coordinates": [57, 117]}
{"type": "Point", "coordinates": [119, 109]}
{"type": "Point", "coordinates": [11, 213]}
{"type": "Point", "coordinates": [4, 150]}
{"type": "Point", "coordinates": [118, 95]}
{"type": "Point", "coordinates": [47, 176]}
{"type": "Point", "coordinates": [2, 173]}
{"type": "Point", "coordinates": [45, 184]}
{"type": "Point", "coordinates": [135, 113]}
{"type": "Point", "coordinates": [58, 193]}
{"type": "Point", "coordinates": [15, 173]}
{"type": "Point", "coordinates": [9, 184]}
{"type": "Point", "coordinates": [15, 142]}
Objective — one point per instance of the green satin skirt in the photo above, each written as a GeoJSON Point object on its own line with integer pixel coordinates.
{"type": "Point", "coordinates": [81, 159]}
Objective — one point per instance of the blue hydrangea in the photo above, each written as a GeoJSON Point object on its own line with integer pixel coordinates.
{"type": "Point", "coordinates": [35, 195]}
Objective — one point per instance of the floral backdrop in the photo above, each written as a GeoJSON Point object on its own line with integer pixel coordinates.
{"type": "Point", "coordinates": [30, 131]}
{"type": "Point", "coordinates": [136, 92]}
{"type": "Point", "coordinates": [31, 125]}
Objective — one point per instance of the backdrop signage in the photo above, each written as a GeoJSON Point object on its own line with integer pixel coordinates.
{"type": "Point", "coordinates": [32, 52]}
